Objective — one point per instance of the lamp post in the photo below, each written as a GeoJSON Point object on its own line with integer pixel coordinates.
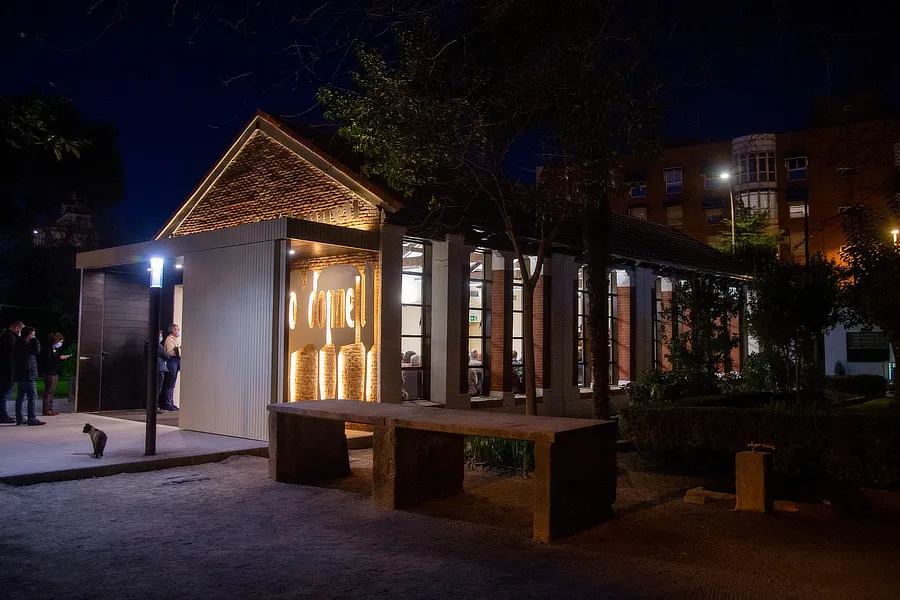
{"type": "Point", "coordinates": [156, 277]}
{"type": "Point", "coordinates": [726, 175]}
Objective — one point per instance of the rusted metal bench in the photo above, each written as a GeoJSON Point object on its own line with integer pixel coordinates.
{"type": "Point", "coordinates": [418, 456]}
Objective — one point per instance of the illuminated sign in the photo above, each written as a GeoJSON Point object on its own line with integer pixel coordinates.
{"type": "Point", "coordinates": [333, 349]}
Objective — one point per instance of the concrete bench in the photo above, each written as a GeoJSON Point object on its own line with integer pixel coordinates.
{"type": "Point", "coordinates": [418, 456]}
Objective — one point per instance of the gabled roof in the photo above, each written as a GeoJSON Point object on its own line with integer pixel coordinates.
{"type": "Point", "coordinates": [314, 169]}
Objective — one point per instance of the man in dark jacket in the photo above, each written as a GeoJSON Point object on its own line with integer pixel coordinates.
{"type": "Point", "coordinates": [8, 340]}
{"type": "Point", "coordinates": [25, 373]}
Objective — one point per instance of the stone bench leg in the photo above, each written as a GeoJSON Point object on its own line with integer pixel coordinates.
{"type": "Point", "coordinates": [574, 483]}
{"type": "Point", "coordinates": [411, 466]}
{"type": "Point", "coordinates": [304, 450]}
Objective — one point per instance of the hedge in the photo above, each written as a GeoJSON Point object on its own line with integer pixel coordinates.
{"type": "Point", "coordinates": [871, 386]}
{"type": "Point", "coordinates": [738, 399]}
{"type": "Point", "coordinates": [859, 448]}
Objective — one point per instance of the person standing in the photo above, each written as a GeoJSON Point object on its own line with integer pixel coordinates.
{"type": "Point", "coordinates": [50, 361]}
{"type": "Point", "coordinates": [173, 364]}
{"type": "Point", "coordinates": [25, 374]}
{"type": "Point", "coordinates": [8, 340]}
{"type": "Point", "coordinates": [163, 360]}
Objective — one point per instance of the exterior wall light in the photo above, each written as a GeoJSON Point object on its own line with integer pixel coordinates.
{"type": "Point", "coordinates": [895, 233]}
{"type": "Point", "coordinates": [156, 272]}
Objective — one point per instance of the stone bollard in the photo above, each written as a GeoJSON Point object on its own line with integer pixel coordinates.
{"type": "Point", "coordinates": [751, 470]}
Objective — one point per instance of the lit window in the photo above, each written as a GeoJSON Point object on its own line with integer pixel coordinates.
{"type": "Point", "coordinates": [583, 374]}
{"type": "Point", "coordinates": [714, 216]}
{"type": "Point", "coordinates": [673, 178]}
{"type": "Point", "coordinates": [796, 168]}
{"type": "Point", "coordinates": [755, 167]}
{"type": "Point", "coordinates": [712, 182]}
{"type": "Point", "coordinates": [638, 189]}
{"type": "Point", "coordinates": [479, 323]}
{"type": "Point", "coordinates": [765, 202]}
{"type": "Point", "coordinates": [414, 314]}
{"type": "Point", "coordinates": [797, 209]}
{"type": "Point", "coordinates": [638, 211]}
{"type": "Point", "coordinates": [675, 216]}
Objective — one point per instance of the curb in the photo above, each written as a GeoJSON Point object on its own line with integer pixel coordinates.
{"type": "Point", "coordinates": [134, 467]}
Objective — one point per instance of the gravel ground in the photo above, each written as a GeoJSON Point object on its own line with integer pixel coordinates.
{"type": "Point", "coordinates": [226, 531]}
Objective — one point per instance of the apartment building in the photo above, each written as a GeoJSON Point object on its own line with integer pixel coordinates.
{"type": "Point", "coordinates": [802, 180]}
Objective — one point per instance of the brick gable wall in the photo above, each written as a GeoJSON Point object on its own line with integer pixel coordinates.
{"type": "Point", "coordinates": [266, 181]}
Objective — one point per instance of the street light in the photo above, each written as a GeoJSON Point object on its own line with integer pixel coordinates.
{"type": "Point", "coordinates": [727, 175]}
{"type": "Point", "coordinates": [895, 233]}
{"type": "Point", "coordinates": [156, 281]}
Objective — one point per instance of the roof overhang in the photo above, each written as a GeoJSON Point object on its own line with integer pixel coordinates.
{"type": "Point", "coordinates": [309, 237]}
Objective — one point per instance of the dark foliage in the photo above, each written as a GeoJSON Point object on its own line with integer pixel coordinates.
{"type": "Point", "coordinates": [863, 449]}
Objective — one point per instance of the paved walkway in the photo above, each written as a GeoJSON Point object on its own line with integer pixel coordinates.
{"type": "Point", "coordinates": [59, 451]}
{"type": "Point", "coordinates": [225, 530]}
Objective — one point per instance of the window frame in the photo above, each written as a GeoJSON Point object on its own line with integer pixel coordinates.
{"type": "Point", "coordinates": [792, 170]}
{"type": "Point", "coordinates": [680, 221]}
{"type": "Point", "coordinates": [424, 367]}
{"type": "Point", "coordinates": [793, 204]}
{"type": "Point", "coordinates": [755, 167]}
{"type": "Point", "coordinates": [866, 350]}
{"type": "Point", "coordinates": [671, 186]}
{"type": "Point", "coordinates": [486, 281]}
{"type": "Point", "coordinates": [637, 185]}
{"type": "Point", "coordinates": [642, 207]}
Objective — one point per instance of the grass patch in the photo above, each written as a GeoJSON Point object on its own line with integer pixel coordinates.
{"type": "Point", "coordinates": [499, 453]}
{"type": "Point", "coordinates": [872, 406]}
{"type": "Point", "coordinates": [62, 389]}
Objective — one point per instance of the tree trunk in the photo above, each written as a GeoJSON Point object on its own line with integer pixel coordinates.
{"type": "Point", "coordinates": [528, 344]}
{"type": "Point", "coordinates": [595, 243]}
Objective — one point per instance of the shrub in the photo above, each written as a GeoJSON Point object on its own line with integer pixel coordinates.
{"type": "Point", "coordinates": [756, 374]}
{"type": "Point", "coordinates": [871, 386]}
{"type": "Point", "coordinates": [740, 399]}
{"type": "Point", "coordinates": [499, 453]}
{"type": "Point", "coordinates": [839, 370]}
{"type": "Point", "coordinates": [864, 449]}
{"type": "Point", "coordinates": [664, 387]}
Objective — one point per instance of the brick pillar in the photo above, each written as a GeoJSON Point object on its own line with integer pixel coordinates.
{"type": "Point", "coordinates": [501, 329]}
{"type": "Point", "coordinates": [735, 329]}
{"type": "Point", "coordinates": [668, 326]}
{"type": "Point", "coordinates": [624, 312]}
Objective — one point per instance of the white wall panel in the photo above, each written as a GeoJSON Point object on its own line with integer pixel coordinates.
{"type": "Point", "coordinates": [227, 363]}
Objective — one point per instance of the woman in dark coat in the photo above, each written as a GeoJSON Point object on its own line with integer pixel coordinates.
{"type": "Point", "coordinates": [50, 361]}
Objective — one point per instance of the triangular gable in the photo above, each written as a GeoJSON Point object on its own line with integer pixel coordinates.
{"type": "Point", "coordinates": [269, 173]}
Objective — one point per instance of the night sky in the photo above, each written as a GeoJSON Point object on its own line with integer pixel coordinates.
{"type": "Point", "coordinates": [162, 75]}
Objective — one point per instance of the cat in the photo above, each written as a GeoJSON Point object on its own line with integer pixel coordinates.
{"type": "Point", "coordinates": [98, 439]}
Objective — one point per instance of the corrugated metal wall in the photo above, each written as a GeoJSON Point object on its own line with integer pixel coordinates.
{"type": "Point", "coordinates": [228, 354]}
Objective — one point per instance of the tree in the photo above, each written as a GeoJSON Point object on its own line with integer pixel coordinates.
{"type": "Point", "coordinates": [873, 260]}
{"type": "Point", "coordinates": [451, 113]}
{"type": "Point", "coordinates": [50, 157]}
{"type": "Point", "coordinates": [703, 307]}
{"type": "Point", "coordinates": [790, 306]}
{"type": "Point", "coordinates": [35, 121]}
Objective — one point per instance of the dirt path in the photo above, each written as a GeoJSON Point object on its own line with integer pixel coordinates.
{"type": "Point", "coordinates": [226, 531]}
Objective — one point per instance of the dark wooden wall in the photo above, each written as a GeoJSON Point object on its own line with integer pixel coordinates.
{"type": "Point", "coordinates": [112, 341]}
